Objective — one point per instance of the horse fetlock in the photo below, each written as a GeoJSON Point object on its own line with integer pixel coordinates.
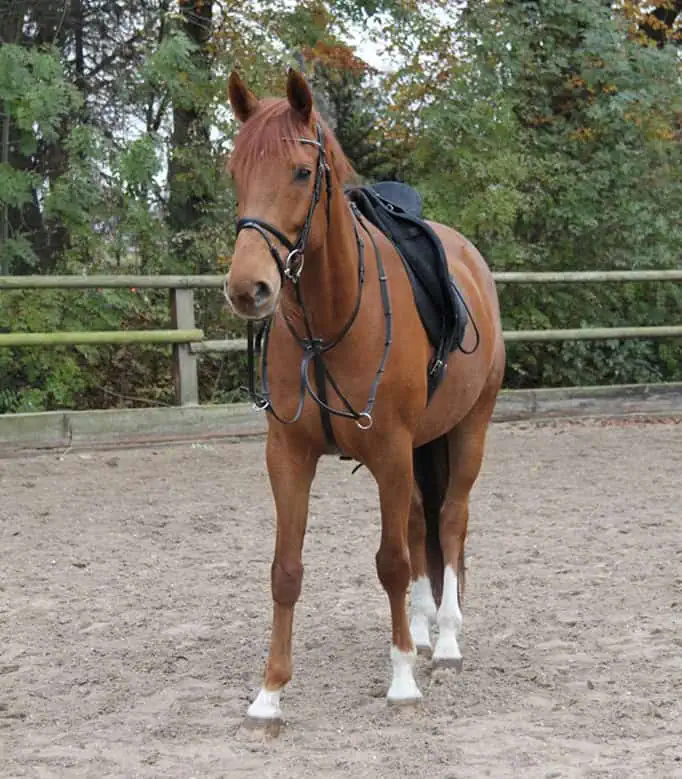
{"type": "Point", "coordinates": [422, 600]}
{"type": "Point", "coordinates": [447, 648]}
{"type": "Point", "coordinates": [278, 673]}
{"type": "Point", "coordinates": [449, 613]}
{"type": "Point", "coordinates": [423, 613]}
{"type": "Point", "coordinates": [421, 633]}
{"type": "Point", "coordinates": [450, 623]}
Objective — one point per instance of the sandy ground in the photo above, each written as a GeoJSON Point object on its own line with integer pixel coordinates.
{"type": "Point", "coordinates": [135, 611]}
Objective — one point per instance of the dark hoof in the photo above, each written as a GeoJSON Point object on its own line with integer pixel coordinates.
{"type": "Point", "coordinates": [263, 727]}
{"type": "Point", "coordinates": [456, 663]}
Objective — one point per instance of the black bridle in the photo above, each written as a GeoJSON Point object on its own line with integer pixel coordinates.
{"type": "Point", "coordinates": [292, 267]}
{"type": "Point", "coordinates": [314, 348]}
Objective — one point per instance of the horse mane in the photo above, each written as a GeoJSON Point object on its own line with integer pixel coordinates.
{"type": "Point", "coordinates": [272, 132]}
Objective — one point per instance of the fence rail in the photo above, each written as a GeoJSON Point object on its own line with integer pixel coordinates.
{"type": "Point", "coordinates": [188, 341]}
{"type": "Point", "coordinates": [100, 337]}
{"type": "Point", "coordinates": [111, 282]}
{"type": "Point", "coordinates": [593, 334]}
{"type": "Point", "coordinates": [208, 281]}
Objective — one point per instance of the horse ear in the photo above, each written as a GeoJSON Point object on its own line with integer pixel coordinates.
{"type": "Point", "coordinates": [244, 103]}
{"type": "Point", "coordinates": [299, 95]}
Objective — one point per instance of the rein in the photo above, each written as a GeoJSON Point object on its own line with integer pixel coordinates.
{"type": "Point", "coordinates": [314, 348]}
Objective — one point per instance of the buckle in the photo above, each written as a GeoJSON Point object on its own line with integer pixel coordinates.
{"type": "Point", "coordinates": [436, 367]}
{"type": "Point", "coordinates": [292, 267]}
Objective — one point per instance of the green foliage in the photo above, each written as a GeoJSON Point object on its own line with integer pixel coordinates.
{"type": "Point", "coordinates": [551, 144]}
{"type": "Point", "coordinates": [35, 98]}
{"type": "Point", "coordinates": [76, 198]}
{"type": "Point", "coordinates": [585, 362]}
{"type": "Point", "coordinates": [545, 130]}
{"type": "Point", "coordinates": [170, 69]}
{"type": "Point", "coordinates": [598, 111]}
{"type": "Point", "coordinates": [45, 378]}
{"type": "Point", "coordinates": [15, 186]}
{"type": "Point", "coordinates": [35, 92]}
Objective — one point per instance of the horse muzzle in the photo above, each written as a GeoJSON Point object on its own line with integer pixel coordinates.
{"type": "Point", "coordinates": [251, 298]}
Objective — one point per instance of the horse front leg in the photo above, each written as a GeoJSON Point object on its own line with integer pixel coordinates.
{"type": "Point", "coordinates": [394, 478]}
{"type": "Point", "coordinates": [291, 470]}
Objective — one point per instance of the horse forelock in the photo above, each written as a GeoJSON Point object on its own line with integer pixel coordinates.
{"type": "Point", "coordinates": [273, 133]}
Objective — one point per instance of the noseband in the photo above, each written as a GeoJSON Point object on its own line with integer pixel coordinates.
{"type": "Point", "coordinates": [315, 348]}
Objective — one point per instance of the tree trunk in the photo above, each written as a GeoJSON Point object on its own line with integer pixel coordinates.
{"type": "Point", "coordinates": [190, 129]}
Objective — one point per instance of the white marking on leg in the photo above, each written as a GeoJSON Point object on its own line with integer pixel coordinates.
{"type": "Point", "coordinates": [422, 612]}
{"type": "Point", "coordinates": [266, 705]}
{"type": "Point", "coordinates": [449, 620]}
{"type": "Point", "coordinates": [403, 686]}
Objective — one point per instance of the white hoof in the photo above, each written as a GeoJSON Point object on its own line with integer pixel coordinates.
{"type": "Point", "coordinates": [404, 696]}
{"type": "Point", "coordinates": [266, 706]}
{"type": "Point", "coordinates": [403, 687]}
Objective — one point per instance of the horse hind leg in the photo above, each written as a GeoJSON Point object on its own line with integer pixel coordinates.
{"type": "Point", "coordinates": [466, 444]}
{"type": "Point", "coordinates": [426, 559]}
{"type": "Point", "coordinates": [394, 477]}
{"type": "Point", "coordinates": [422, 604]}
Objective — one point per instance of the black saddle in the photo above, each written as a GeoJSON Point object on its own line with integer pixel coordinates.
{"type": "Point", "coordinates": [396, 210]}
{"type": "Point", "coordinates": [395, 194]}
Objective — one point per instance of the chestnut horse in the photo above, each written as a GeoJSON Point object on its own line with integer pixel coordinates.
{"type": "Point", "coordinates": [336, 296]}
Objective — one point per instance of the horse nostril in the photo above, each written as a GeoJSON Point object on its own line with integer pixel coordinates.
{"type": "Point", "coordinates": [250, 297]}
{"type": "Point", "coordinates": [243, 300]}
{"type": "Point", "coordinates": [262, 292]}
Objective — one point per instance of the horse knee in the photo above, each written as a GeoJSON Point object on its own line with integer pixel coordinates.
{"type": "Point", "coordinates": [393, 567]}
{"type": "Point", "coordinates": [286, 579]}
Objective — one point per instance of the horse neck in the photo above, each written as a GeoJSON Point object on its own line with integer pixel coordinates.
{"type": "Point", "coordinates": [329, 281]}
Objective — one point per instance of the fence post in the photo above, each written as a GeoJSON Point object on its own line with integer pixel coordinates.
{"type": "Point", "coordinates": [184, 362]}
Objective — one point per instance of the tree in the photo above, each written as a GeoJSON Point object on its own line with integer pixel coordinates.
{"type": "Point", "coordinates": [190, 192]}
{"type": "Point", "coordinates": [552, 143]}
{"type": "Point", "coordinates": [598, 111]}
{"type": "Point", "coordinates": [37, 101]}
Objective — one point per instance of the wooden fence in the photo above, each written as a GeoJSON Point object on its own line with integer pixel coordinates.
{"type": "Point", "coordinates": [188, 341]}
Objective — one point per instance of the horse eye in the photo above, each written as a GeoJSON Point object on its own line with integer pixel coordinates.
{"type": "Point", "coordinates": [302, 174]}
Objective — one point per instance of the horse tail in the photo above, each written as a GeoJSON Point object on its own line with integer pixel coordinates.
{"type": "Point", "coordinates": [432, 474]}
